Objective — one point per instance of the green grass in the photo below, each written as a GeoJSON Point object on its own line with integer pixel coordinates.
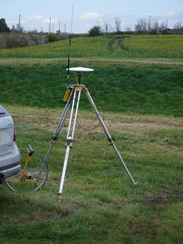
{"type": "Point", "coordinates": [129, 88]}
{"type": "Point", "coordinates": [99, 202]}
{"type": "Point", "coordinates": [141, 102]}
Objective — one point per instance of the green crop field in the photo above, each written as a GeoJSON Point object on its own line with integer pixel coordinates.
{"type": "Point", "coordinates": [138, 88]}
{"type": "Point", "coordinates": [134, 46]}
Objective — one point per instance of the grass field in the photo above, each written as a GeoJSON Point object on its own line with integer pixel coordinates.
{"type": "Point", "coordinates": [99, 203]}
{"type": "Point", "coordinates": [141, 102]}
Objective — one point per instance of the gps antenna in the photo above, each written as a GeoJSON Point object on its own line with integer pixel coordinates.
{"type": "Point", "coordinates": [68, 64]}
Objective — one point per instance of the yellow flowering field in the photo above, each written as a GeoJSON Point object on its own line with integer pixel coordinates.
{"type": "Point", "coordinates": [129, 46]}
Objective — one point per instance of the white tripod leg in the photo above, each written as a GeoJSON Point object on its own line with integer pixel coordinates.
{"type": "Point", "coordinates": [111, 140]}
{"type": "Point", "coordinates": [69, 140]}
{"type": "Point", "coordinates": [63, 173]}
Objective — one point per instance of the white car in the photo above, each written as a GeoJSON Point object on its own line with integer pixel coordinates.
{"type": "Point", "coordinates": [9, 152]}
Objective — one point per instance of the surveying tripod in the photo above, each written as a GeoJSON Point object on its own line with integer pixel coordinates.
{"type": "Point", "coordinates": [72, 94]}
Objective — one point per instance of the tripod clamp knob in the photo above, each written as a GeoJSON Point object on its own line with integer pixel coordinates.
{"type": "Point", "coordinates": [69, 141]}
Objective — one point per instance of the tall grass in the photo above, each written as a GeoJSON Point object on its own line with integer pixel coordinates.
{"type": "Point", "coordinates": [137, 89]}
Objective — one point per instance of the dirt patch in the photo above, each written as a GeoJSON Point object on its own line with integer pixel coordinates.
{"type": "Point", "coordinates": [47, 120]}
{"type": "Point", "coordinates": [119, 123]}
{"type": "Point", "coordinates": [166, 196]}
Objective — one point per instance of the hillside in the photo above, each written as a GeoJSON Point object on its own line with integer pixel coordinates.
{"type": "Point", "coordinates": [129, 88]}
{"type": "Point", "coordinates": [132, 46]}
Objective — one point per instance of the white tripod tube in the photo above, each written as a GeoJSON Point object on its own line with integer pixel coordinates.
{"type": "Point", "coordinates": [108, 135]}
{"type": "Point", "coordinates": [69, 139]}
{"type": "Point", "coordinates": [64, 170]}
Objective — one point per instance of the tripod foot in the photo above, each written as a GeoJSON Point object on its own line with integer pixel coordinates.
{"type": "Point", "coordinates": [59, 197]}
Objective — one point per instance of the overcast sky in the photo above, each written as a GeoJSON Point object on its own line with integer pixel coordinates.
{"type": "Point", "coordinates": [36, 14]}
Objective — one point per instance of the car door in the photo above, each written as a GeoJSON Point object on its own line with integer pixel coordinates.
{"type": "Point", "coordinates": [6, 132]}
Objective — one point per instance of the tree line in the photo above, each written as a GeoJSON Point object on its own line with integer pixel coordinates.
{"type": "Point", "coordinates": [17, 37]}
{"type": "Point", "coordinates": [143, 26]}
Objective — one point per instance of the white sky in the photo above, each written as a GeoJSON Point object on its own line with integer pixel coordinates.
{"type": "Point", "coordinates": [36, 14]}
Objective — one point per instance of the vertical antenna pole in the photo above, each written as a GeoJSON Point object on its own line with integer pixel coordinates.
{"type": "Point", "coordinates": [19, 25]}
{"type": "Point", "coordinates": [68, 65]}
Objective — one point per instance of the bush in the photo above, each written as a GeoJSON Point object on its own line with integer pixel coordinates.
{"type": "Point", "coordinates": [12, 39]}
{"type": "Point", "coordinates": [52, 38]}
{"type": "Point", "coordinates": [3, 40]}
{"type": "Point", "coordinates": [15, 40]}
{"type": "Point", "coordinates": [95, 31]}
{"type": "Point", "coordinates": [37, 39]}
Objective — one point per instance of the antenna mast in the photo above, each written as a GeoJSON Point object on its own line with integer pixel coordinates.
{"type": "Point", "coordinates": [19, 26]}
{"type": "Point", "coordinates": [68, 65]}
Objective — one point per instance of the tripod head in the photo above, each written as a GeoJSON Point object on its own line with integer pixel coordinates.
{"type": "Point", "coordinates": [79, 71]}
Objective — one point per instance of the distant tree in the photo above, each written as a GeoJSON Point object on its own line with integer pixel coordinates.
{"type": "Point", "coordinates": [142, 26]}
{"type": "Point", "coordinates": [155, 28]}
{"type": "Point", "coordinates": [117, 24]}
{"type": "Point", "coordinates": [95, 31]}
{"type": "Point", "coordinates": [106, 27]}
{"type": "Point", "coordinates": [163, 26]}
{"type": "Point", "coordinates": [178, 25]}
{"type": "Point", "coordinates": [128, 29]}
{"type": "Point", "coordinates": [3, 26]}
{"type": "Point", "coordinates": [17, 29]}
